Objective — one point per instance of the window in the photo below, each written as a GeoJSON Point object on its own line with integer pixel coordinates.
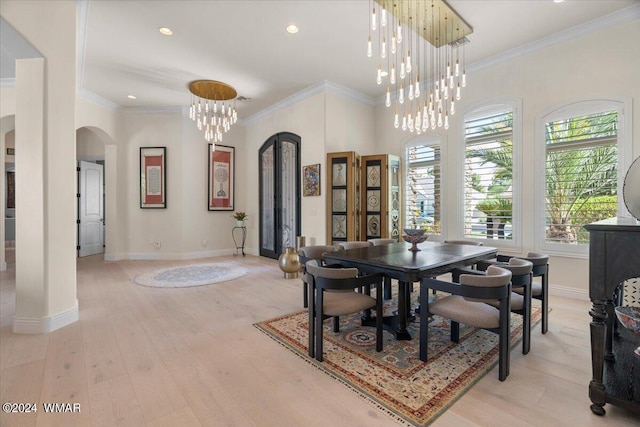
{"type": "Point", "coordinates": [488, 179]}
{"type": "Point", "coordinates": [423, 194]}
{"type": "Point", "coordinates": [581, 174]}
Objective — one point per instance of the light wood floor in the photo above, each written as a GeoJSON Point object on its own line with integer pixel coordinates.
{"type": "Point", "coordinates": [190, 357]}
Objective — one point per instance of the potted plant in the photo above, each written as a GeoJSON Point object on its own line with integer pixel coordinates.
{"type": "Point", "coordinates": [240, 218]}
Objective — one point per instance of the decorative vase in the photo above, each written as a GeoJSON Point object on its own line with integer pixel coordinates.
{"type": "Point", "coordinates": [414, 236]}
{"type": "Point", "coordinates": [289, 263]}
{"type": "Point", "coordinates": [239, 223]}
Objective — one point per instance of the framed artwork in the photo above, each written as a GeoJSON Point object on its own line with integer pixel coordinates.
{"type": "Point", "coordinates": [311, 180]}
{"type": "Point", "coordinates": [153, 171]}
{"type": "Point", "coordinates": [221, 168]}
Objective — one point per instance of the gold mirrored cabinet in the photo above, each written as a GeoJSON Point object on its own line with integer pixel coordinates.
{"type": "Point", "coordinates": [364, 198]}
{"type": "Point", "coordinates": [343, 197]}
{"type": "Point", "coordinates": [381, 197]}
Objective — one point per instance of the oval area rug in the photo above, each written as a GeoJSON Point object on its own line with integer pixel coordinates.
{"type": "Point", "coordinates": [191, 275]}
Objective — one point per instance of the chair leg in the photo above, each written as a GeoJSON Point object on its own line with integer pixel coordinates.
{"type": "Point", "coordinates": [319, 304]}
{"type": "Point", "coordinates": [526, 320]}
{"type": "Point", "coordinates": [312, 321]}
{"type": "Point", "coordinates": [455, 331]}
{"type": "Point", "coordinates": [424, 322]}
{"type": "Point", "coordinates": [379, 318]}
{"type": "Point", "coordinates": [503, 346]}
{"type": "Point", "coordinates": [305, 295]}
{"type": "Point", "coordinates": [336, 324]}
{"type": "Point", "coordinates": [545, 301]}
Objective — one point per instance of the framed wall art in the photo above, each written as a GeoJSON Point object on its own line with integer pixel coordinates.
{"type": "Point", "coordinates": [221, 168]}
{"type": "Point", "coordinates": [153, 171]}
{"type": "Point", "coordinates": [311, 180]}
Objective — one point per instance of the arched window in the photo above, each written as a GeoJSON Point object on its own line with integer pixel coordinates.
{"type": "Point", "coordinates": [423, 193]}
{"type": "Point", "coordinates": [490, 185]}
{"type": "Point", "coordinates": [581, 146]}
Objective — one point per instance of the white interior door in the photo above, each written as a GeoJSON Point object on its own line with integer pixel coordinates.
{"type": "Point", "coordinates": [90, 209]}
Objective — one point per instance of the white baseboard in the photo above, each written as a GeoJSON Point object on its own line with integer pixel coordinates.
{"type": "Point", "coordinates": [42, 325]}
{"type": "Point", "coordinates": [160, 256]}
{"type": "Point", "coordinates": [569, 292]}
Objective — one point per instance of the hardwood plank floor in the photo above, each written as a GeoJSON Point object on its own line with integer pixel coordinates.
{"type": "Point", "coordinates": [143, 356]}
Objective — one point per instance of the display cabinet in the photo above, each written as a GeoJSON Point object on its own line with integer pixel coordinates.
{"type": "Point", "coordinates": [381, 197]}
{"type": "Point", "coordinates": [343, 197]}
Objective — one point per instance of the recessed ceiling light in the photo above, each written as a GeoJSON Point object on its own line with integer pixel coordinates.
{"type": "Point", "coordinates": [131, 97]}
{"type": "Point", "coordinates": [166, 31]}
{"type": "Point", "coordinates": [292, 29]}
{"type": "Point", "coordinates": [558, 1]}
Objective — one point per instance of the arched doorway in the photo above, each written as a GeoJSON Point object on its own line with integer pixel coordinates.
{"type": "Point", "coordinates": [279, 163]}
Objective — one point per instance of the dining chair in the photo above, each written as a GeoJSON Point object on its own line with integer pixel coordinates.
{"type": "Point", "coordinates": [539, 290]}
{"type": "Point", "coordinates": [380, 242]}
{"type": "Point", "coordinates": [307, 253]}
{"type": "Point", "coordinates": [332, 294]}
{"type": "Point", "coordinates": [521, 279]}
{"type": "Point", "coordinates": [353, 245]}
{"type": "Point", "coordinates": [467, 305]}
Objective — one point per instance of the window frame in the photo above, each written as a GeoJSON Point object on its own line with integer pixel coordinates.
{"type": "Point", "coordinates": [567, 111]}
{"type": "Point", "coordinates": [484, 110]}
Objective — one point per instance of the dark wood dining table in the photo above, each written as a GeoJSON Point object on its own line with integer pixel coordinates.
{"type": "Point", "coordinates": [396, 261]}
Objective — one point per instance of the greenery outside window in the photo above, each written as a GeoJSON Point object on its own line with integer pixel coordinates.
{"type": "Point", "coordinates": [488, 179]}
{"type": "Point", "coordinates": [581, 175]}
{"type": "Point", "coordinates": [423, 189]}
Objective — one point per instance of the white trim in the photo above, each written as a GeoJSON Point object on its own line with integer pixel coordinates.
{"type": "Point", "coordinates": [43, 325]}
{"type": "Point", "coordinates": [323, 86]}
{"type": "Point", "coordinates": [90, 96]}
{"type": "Point", "coordinates": [569, 292]}
{"type": "Point", "coordinates": [8, 82]}
{"type": "Point", "coordinates": [622, 16]}
{"type": "Point", "coordinates": [156, 110]}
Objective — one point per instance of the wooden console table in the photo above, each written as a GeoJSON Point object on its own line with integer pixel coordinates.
{"type": "Point", "coordinates": [614, 256]}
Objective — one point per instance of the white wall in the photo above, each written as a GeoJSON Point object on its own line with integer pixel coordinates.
{"type": "Point", "coordinates": [601, 64]}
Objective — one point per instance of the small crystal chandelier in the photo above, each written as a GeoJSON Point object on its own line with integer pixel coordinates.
{"type": "Point", "coordinates": [419, 42]}
{"type": "Point", "coordinates": [212, 108]}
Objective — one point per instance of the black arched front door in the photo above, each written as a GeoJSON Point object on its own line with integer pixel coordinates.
{"type": "Point", "coordinates": [279, 163]}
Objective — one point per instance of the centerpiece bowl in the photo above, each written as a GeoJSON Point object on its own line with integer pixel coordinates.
{"type": "Point", "coordinates": [629, 317]}
{"type": "Point", "coordinates": [414, 236]}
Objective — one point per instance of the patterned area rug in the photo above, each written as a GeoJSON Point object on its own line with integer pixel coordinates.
{"type": "Point", "coordinates": [395, 380]}
{"type": "Point", "coordinates": [191, 275]}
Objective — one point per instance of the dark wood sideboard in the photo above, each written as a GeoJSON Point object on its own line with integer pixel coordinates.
{"type": "Point", "coordinates": [614, 256]}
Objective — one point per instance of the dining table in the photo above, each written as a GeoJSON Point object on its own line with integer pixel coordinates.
{"type": "Point", "coordinates": [397, 261]}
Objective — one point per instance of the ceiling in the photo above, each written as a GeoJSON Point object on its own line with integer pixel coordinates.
{"type": "Point", "coordinates": [244, 43]}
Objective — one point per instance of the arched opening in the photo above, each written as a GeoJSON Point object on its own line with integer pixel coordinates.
{"type": "Point", "coordinates": [279, 163]}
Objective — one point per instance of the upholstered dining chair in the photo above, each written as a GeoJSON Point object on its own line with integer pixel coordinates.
{"type": "Point", "coordinates": [539, 290]}
{"type": "Point", "coordinates": [467, 305]}
{"type": "Point", "coordinates": [332, 294]}
{"type": "Point", "coordinates": [307, 253]}
{"type": "Point", "coordinates": [353, 245]}
{"type": "Point", "coordinates": [380, 242]}
{"type": "Point", "coordinates": [521, 279]}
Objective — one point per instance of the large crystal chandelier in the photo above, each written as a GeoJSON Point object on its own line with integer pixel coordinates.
{"type": "Point", "coordinates": [420, 47]}
{"type": "Point", "coordinates": [212, 108]}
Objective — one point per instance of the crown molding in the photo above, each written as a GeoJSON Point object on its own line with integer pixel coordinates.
{"type": "Point", "coordinates": [8, 82]}
{"type": "Point", "coordinates": [323, 86]}
{"type": "Point", "coordinates": [90, 96]}
{"type": "Point", "coordinates": [622, 16]}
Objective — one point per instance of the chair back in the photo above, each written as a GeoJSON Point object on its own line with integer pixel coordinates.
{"type": "Point", "coordinates": [540, 263]}
{"type": "Point", "coordinates": [520, 271]}
{"type": "Point", "coordinates": [495, 277]}
{"type": "Point", "coordinates": [464, 242]}
{"type": "Point", "coordinates": [380, 242]}
{"type": "Point", "coordinates": [320, 273]}
{"type": "Point", "coordinates": [353, 245]}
